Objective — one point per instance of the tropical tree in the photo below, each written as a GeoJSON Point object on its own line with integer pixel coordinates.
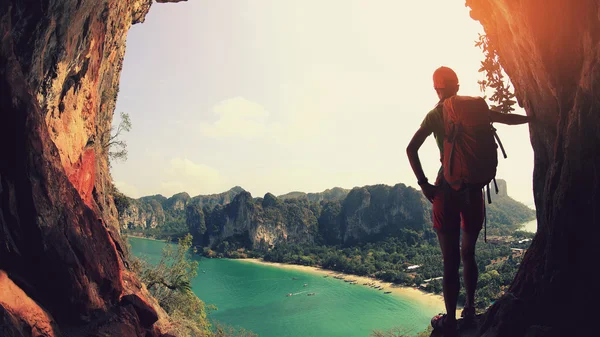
{"type": "Point", "coordinates": [116, 147]}
{"type": "Point", "coordinates": [169, 281]}
{"type": "Point", "coordinates": [503, 95]}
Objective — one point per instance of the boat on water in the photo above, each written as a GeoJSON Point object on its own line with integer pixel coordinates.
{"type": "Point", "coordinates": [326, 276]}
{"type": "Point", "coordinates": [306, 284]}
{"type": "Point", "coordinates": [294, 278]}
{"type": "Point", "coordinates": [387, 292]}
{"type": "Point", "coordinates": [288, 295]}
{"type": "Point", "coordinates": [311, 294]}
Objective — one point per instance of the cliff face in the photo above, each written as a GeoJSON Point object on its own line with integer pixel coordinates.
{"type": "Point", "coordinates": [152, 211]}
{"type": "Point", "coordinates": [142, 214]}
{"type": "Point", "coordinates": [379, 211]}
{"type": "Point", "coordinates": [61, 253]}
{"type": "Point", "coordinates": [551, 52]}
{"type": "Point", "coordinates": [268, 221]}
{"type": "Point", "coordinates": [365, 214]}
{"type": "Point", "coordinates": [333, 194]}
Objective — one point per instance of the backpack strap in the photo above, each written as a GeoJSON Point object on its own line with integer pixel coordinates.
{"type": "Point", "coordinates": [496, 186]}
{"type": "Point", "coordinates": [454, 134]}
{"type": "Point", "coordinates": [484, 223]}
{"type": "Point", "coordinates": [499, 142]}
{"type": "Point", "coordinates": [452, 140]}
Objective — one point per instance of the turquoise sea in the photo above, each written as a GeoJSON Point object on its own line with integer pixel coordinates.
{"type": "Point", "coordinates": [253, 296]}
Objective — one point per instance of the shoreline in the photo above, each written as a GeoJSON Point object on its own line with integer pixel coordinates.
{"type": "Point", "coordinates": [143, 237]}
{"type": "Point", "coordinates": [423, 297]}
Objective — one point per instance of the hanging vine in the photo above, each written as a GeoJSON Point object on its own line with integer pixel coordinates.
{"type": "Point", "coordinates": [503, 95]}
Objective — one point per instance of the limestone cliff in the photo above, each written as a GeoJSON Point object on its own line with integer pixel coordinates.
{"type": "Point", "coordinates": [551, 52]}
{"type": "Point", "coordinates": [365, 214]}
{"type": "Point", "coordinates": [147, 213]}
{"type": "Point", "coordinates": [61, 253]}
{"type": "Point", "coordinates": [332, 194]}
{"type": "Point", "coordinates": [267, 221]}
{"type": "Point", "coordinates": [152, 211]}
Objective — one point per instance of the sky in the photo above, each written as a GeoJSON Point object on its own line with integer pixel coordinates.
{"type": "Point", "coordinates": [285, 95]}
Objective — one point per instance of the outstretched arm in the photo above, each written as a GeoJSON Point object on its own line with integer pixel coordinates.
{"type": "Point", "coordinates": [509, 119]}
{"type": "Point", "coordinates": [412, 151]}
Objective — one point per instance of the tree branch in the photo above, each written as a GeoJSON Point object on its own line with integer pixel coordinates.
{"type": "Point", "coordinates": [162, 282]}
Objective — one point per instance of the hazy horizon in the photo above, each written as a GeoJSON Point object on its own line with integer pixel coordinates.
{"type": "Point", "coordinates": [283, 96]}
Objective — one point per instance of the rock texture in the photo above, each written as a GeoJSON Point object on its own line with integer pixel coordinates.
{"type": "Point", "coordinates": [363, 214]}
{"type": "Point", "coordinates": [269, 221]}
{"type": "Point", "coordinates": [61, 254]}
{"type": "Point", "coordinates": [551, 52]}
{"type": "Point", "coordinates": [332, 194]}
{"type": "Point", "coordinates": [152, 211]}
{"type": "Point", "coordinates": [17, 304]}
{"type": "Point", "coordinates": [374, 212]}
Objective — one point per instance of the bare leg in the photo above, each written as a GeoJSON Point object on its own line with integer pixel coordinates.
{"type": "Point", "coordinates": [470, 272]}
{"type": "Point", "coordinates": [449, 243]}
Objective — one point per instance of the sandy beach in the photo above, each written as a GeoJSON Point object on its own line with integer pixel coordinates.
{"type": "Point", "coordinates": [428, 299]}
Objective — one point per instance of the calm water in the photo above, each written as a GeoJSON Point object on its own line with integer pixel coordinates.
{"type": "Point", "coordinates": [254, 297]}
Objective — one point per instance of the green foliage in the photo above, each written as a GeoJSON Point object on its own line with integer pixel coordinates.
{"type": "Point", "coordinates": [388, 261]}
{"type": "Point", "coordinates": [505, 215]}
{"type": "Point", "coordinates": [400, 332]}
{"type": "Point", "coordinates": [333, 194]}
{"type": "Point", "coordinates": [503, 94]}
{"type": "Point", "coordinates": [367, 214]}
{"type": "Point", "coordinates": [227, 331]}
{"type": "Point", "coordinates": [117, 148]}
{"type": "Point", "coordinates": [121, 200]}
{"type": "Point", "coordinates": [169, 231]}
{"type": "Point", "coordinates": [169, 282]}
{"type": "Point", "coordinates": [387, 227]}
{"type": "Point", "coordinates": [329, 223]}
{"type": "Point", "coordinates": [196, 224]}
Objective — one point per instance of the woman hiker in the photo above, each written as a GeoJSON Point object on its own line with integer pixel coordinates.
{"type": "Point", "coordinates": [449, 205]}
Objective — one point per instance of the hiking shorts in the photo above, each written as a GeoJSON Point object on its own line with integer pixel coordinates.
{"type": "Point", "coordinates": [458, 209]}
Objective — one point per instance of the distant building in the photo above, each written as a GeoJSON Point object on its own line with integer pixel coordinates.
{"type": "Point", "coordinates": [518, 252]}
{"type": "Point", "coordinates": [413, 267]}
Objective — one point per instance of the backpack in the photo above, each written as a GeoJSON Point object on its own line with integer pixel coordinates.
{"type": "Point", "coordinates": [470, 149]}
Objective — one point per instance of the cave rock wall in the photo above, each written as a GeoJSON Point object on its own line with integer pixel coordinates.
{"type": "Point", "coordinates": [551, 52]}
{"type": "Point", "coordinates": [60, 249]}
